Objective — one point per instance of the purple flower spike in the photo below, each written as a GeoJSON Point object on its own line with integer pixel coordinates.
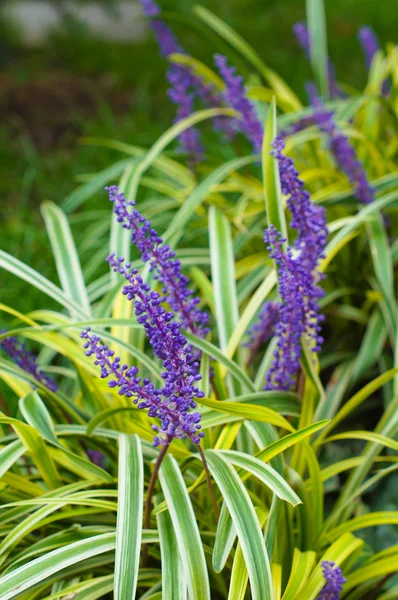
{"type": "Point", "coordinates": [308, 219]}
{"type": "Point", "coordinates": [185, 86]}
{"type": "Point", "coordinates": [235, 97]}
{"type": "Point", "coordinates": [334, 581]}
{"type": "Point", "coordinates": [163, 262]}
{"type": "Point", "coordinates": [171, 403]}
{"type": "Point", "coordinates": [26, 361]}
{"type": "Point", "coordinates": [264, 328]}
{"type": "Point", "coordinates": [343, 152]}
{"type": "Point", "coordinates": [369, 42]}
{"type": "Point", "coordinates": [300, 30]}
{"type": "Point", "coordinates": [298, 277]}
{"type": "Point", "coordinates": [292, 313]}
{"type": "Point", "coordinates": [150, 8]}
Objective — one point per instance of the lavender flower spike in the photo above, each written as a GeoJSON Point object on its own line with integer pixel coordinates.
{"type": "Point", "coordinates": [235, 97]}
{"type": "Point", "coordinates": [343, 152]}
{"type": "Point", "coordinates": [172, 403]}
{"type": "Point", "coordinates": [162, 261]}
{"type": "Point", "coordinates": [300, 30]}
{"type": "Point", "coordinates": [369, 42]}
{"type": "Point", "coordinates": [334, 581]}
{"type": "Point", "coordinates": [185, 86]}
{"type": "Point", "coordinates": [308, 219]}
{"type": "Point", "coordinates": [292, 313]}
{"type": "Point", "coordinates": [298, 277]}
{"type": "Point", "coordinates": [26, 361]}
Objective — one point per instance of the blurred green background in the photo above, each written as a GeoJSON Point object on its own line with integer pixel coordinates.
{"type": "Point", "coordinates": [77, 83]}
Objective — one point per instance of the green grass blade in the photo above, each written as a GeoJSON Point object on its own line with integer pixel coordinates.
{"type": "Point", "coordinates": [38, 570]}
{"type": "Point", "coordinates": [129, 516]}
{"type": "Point", "coordinates": [186, 530]}
{"type": "Point", "coordinates": [223, 275]}
{"type": "Point", "coordinates": [272, 186]}
{"type": "Point", "coordinates": [228, 34]}
{"type": "Point", "coordinates": [264, 473]}
{"type": "Point", "coordinates": [216, 353]}
{"type": "Point", "coordinates": [36, 414]}
{"type": "Point", "coordinates": [316, 21]}
{"type": "Point", "coordinates": [97, 183]}
{"type": "Point", "coordinates": [18, 268]}
{"type": "Point", "coordinates": [225, 538]}
{"type": "Point", "coordinates": [192, 203]}
{"type": "Point", "coordinates": [173, 584]}
{"type": "Point", "coordinates": [65, 254]}
{"type": "Point", "coordinates": [246, 524]}
{"type": "Point", "coordinates": [9, 455]}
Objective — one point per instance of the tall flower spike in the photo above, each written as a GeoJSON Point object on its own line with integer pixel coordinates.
{"type": "Point", "coordinates": [235, 97]}
{"type": "Point", "coordinates": [298, 276]}
{"type": "Point", "coordinates": [303, 39]}
{"type": "Point", "coordinates": [308, 219]}
{"type": "Point", "coordinates": [172, 403]}
{"type": "Point", "coordinates": [162, 262]}
{"type": "Point", "coordinates": [343, 152]}
{"type": "Point", "coordinates": [334, 581]}
{"type": "Point", "coordinates": [292, 313]}
{"type": "Point", "coordinates": [369, 43]}
{"type": "Point", "coordinates": [26, 361]}
{"type": "Point", "coordinates": [185, 86]}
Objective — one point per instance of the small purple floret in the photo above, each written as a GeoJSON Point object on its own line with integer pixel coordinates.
{"type": "Point", "coordinates": [334, 581]}
{"type": "Point", "coordinates": [235, 97]}
{"type": "Point", "coordinates": [162, 262]}
{"type": "Point", "coordinates": [96, 457]}
{"type": "Point", "coordinates": [26, 361]}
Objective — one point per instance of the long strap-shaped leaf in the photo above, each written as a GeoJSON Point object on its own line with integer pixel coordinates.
{"type": "Point", "coordinates": [318, 43]}
{"type": "Point", "coordinates": [186, 530]}
{"type": "Point", "coordinates": [129, 516]}
{"type": "Point", "coordinates": [173, 583]}
{"type": "Point", "coordinates": [223, 275]}
{"type": "Point", "coordinates": [18, 268]}
{"type": "Point", "coordinates": [65, 254]}
{"type": "Point", "coordinates": [28, 575]}
{"type": "Point", "coordinates": [246, 524]}
{"type": "Point", "coordinates": [269, 476]}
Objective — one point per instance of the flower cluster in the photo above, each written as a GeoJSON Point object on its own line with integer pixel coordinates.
{"type": "Point", "coordinates": [308, 219]}
{"type": "Point", "coordinates": [334, 581]}
{"type": "Point", "coordinates": [162, 262]}
{"type": "Point", "coordinates": [264, 327]}
{"type": "Point", "coordinates": [343, 152]}
{"type": "Point", "coordinates": [297, 311]}
{"type": "Point", "coordinates": [185, 86]}
{"type": "Point", "coordinates": [26, 361]}
{"type": "Point", "coordinates": [235, 97]}
{"type": "Point", "coordinates": [298, 277]}
{"type": "Point", "coordinates": [172, 403]}
{"type": "Point", "coordinates": [303, 39]}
